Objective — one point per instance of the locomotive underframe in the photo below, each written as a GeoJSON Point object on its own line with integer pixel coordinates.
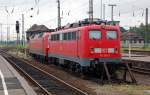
{"type": "Point", "coordinates": [86, 61]}
{"type": "Point", "coordinates": [105, 70]}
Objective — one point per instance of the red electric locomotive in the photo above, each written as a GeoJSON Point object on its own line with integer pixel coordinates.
{"type": "Point", "coordinates": [38, 45]}
{"type": "Point", "coordinates": [86, 44]}
{"type": "Point", "coordinates": [82, 46]}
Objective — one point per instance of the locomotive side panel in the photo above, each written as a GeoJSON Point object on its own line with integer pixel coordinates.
{"type": "Point", "coordinates": [64, 44]}
{"type": "Point", "coordinates": [38, 45]}
{"type": "Point", "coordinates": [93, 42]}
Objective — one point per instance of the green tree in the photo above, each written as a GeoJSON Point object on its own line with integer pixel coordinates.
{"type": "Point", "coordinates": [141, 30]}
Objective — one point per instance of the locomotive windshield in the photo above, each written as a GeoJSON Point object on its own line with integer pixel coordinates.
{"type": "Point", "coordinates": [111, 35]}
{"type": "Point", "coordinates": [95, 34]}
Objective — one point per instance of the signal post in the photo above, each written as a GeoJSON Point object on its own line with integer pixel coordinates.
{"type": "Point", "coordinates": [17, 31]}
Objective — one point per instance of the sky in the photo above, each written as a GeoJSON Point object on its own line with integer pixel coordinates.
{"type": "Point", "coordinates": [132, 12]}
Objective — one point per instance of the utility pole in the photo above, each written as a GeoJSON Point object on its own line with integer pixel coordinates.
{"type": "Point", "coordinates": [101, 9]}
{"type": "Point", "coordinates": [8, 35]}
{"type": "Point", "coordinates": [23, 36]}
{"type": "Point", "coordinates": [59, 18]}
{"type": "Point", "coordinates": [23, 33]}
{"type": "Point", "coordinates": [146, 25]}
{"type": "Point", "coordinates": [91, 11]}
{"type": "Point", "coordinates": [7, 31]}
{"type": "Point", "coordinates": [112, 10]}
{"type": "Point", "coordinates": [104, 11]}
{"type": "Point", "coordinates": [1, 34]}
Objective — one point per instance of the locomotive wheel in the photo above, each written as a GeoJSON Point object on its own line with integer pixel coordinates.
{"type": "Point", "coordinates": [98, 70]}
{"type": "Point", "coordinates": [71, 67]}
{"type": "Point", "coordinates": [84, 70]}
{"type": "Point", "coordinates": [46, 59]}
{"type": "Point", "coordinates": [78, 68]}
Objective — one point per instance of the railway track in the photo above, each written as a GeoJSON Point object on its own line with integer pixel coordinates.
{"type": "Point", "coordinates": [49, 84]}
{"type": "Point", "coordinates": [139, 52]}
{"type": "Point", "coordinates": [141, 67]}
{"type": "Point", "coordinates": [141, 70]}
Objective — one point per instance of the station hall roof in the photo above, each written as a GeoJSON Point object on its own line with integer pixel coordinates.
{"type": "Point", "coordinates": [38, 28]}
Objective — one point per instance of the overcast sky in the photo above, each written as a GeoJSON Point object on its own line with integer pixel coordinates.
{"type": "Point", "coordinates": [45, 12]}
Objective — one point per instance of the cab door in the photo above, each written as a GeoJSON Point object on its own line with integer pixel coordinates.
{"type": "Point", "coordinates": [93, 43]}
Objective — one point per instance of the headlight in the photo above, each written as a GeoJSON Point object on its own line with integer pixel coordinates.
{"type": "Point", "coordinates": [111, 50]}
{"type": "Point", "coordinates": [96, 50]}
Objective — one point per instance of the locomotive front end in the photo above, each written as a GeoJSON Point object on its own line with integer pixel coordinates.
{"type": "Point", "coordinates": [102, 44]}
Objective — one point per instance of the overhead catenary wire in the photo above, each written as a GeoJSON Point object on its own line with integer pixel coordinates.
{"type": "Point", "coordinates": [42, 4]}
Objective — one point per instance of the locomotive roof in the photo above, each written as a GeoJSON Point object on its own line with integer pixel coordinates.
{"type": "Point", "coordinates": [107, 27]}
{"type": "Point", "coordinates": [86, 23]}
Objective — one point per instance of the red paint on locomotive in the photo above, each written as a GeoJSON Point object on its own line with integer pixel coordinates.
{"type": "Point", "coordinates": [38, 44]}
{"type": "Point", "coordinates": [86, 43]}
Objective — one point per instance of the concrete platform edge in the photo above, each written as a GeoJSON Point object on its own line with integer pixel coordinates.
{"type": "Point", "coordinates": [23, 82]}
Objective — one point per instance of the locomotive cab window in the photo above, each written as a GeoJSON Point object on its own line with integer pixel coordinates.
{"type": "Point", "coordinates": [95, 34]}
{"type": "Point", "coordinates": [69, 36]}
{"type": "Point", "coordinates": [55, 37]}
{"type": "Point", "coordinates": [49, 37]}
{"type": "Point", "coordinates": [32, 36]}
{"type": "Point", "coordinates": [40, 35]}
{"type": "Point", "coordinates": [111, 35]}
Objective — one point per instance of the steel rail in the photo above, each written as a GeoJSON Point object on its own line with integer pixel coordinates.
{"type": "Point", "coordinates": [29, 77]}
{"type": "Point", "coordinates": [51, 75]}
{"type": "Point", "coordinates": [140, 70]}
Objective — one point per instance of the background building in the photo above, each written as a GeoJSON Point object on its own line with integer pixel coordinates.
{"type": "Point", "coordinates": [35, 29]}
{"type": "Point", "coordinates": [132, 37]}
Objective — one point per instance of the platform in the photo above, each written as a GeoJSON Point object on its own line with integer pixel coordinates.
{"type": "Point", "coordinates": [136, 57]}
{"type": "Point", "coordinates": [11, 83]}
